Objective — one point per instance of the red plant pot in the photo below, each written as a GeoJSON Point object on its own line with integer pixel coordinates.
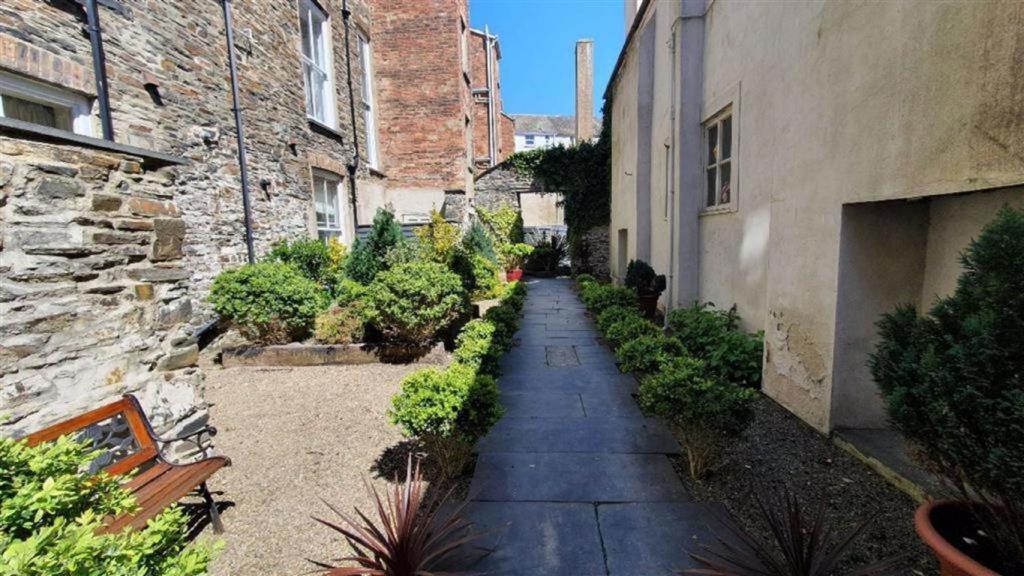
{"type": "Point", "coordinates": [952, 562]}
{"type": "Point", "coordinates": [648, 304]}
{"type": "Point", "coordinates": [514, 274]}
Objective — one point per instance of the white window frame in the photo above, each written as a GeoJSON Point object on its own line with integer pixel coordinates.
{"type": "Point", "coordinates": [529, 140]}
{"type": "Point", "coordinates": [369, 102]}
{"type": "Point", "coordinates": [78, 106]}
{"type": "Point", "coordinates": [328, 186]}
{"type": "Point", "coordinates": [325, 67]}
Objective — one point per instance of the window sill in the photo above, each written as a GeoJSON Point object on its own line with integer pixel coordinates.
{"type": "Point", "coordinates": [374, 171]}
{"type": "Point", "coordinates": [321, 128]}
{"type": "Point", "coordinates": [27, 130]}
{"type": "Point", "coordinates": [723, 209]}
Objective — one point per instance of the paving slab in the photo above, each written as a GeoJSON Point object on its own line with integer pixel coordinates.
{"type": "Point", "coordinates": [544, 404]}
{"type": "Point", "coordinates": [656, 539]}
{"type": "Point", "coordinates": [535, 538]}
{"type": "Point", "coordinates": [596, 435]}
{"type": "Point", "coordinates": [530, 477]}
{"type": "Point", "coordinates": [561, 356]}
{"type": "Point", "coordinates": [561, 380]}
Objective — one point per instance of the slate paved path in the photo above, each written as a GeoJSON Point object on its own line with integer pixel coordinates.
{"type": "Point", "coordinates": [574, 480]}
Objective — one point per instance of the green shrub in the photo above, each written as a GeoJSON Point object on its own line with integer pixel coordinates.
{"type": "Point", "coordinates": [597, 297]}
{"type": "Point", "coordinates": [701, 327]}
{"type": "Point", "coordinates": [269, 303]}
{"type": "Point", "coordinates": [348, 292]}
{"type": "Point", "coordinates": [478, 274]}
{"type": "Point", "coordinates": [705, 409]}
{"type": "Point", "coordinates": [643, 280]}
{"type": "Point", "coordinates": [547, 256]}
{"type": "Point", "coordinates": [630, 328]}
{"type": "Point", "coordinates": [413, 302]}
{"type": "Point", "coordinates": [505, 225]}
{"type": "Point", "coordinates": [513, 255]}
{"type": "Point", "coordinates": [369, 253]}
{"type": "Point", "coordinates": [648, 353]}
{"type": "Point", "coordinates": [582, 279]}
{"type": "Point", "coordinates": [736, 358]}
{"type": "Point", "coordinates": [438, 240]}
{"type": "Point", "coordinates": [505, 320]}
{"type": "Point", "coordinates": [953, 380]}
{"type": "Point", "coordinates": [614, 314]}
{"type": "Point", "coordinates": [310, 256]}
{"type": "Point", "coordinates": [50, 511]}
{"type": "Point", "coordinates": [476, 346]}
{"type": "Point", "coordinates": [477, 242]}
{"type": "Point", "coordinates": [447, 410]}
{"type": "Point", "coordinates": [339, 325]}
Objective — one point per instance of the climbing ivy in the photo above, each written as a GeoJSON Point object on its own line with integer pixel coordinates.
{"type": "Point", "coordinates": [581, 173]}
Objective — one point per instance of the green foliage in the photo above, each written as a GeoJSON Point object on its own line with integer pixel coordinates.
{"type": "Point", "coordinates": [438, 240]}
{"type": "Point", "coordinates": [630, 328]}
{"type": "Point", "coordinates": [51, 510]}
{"type": "Point", "coordinates": [953, 380]}
{"type": "Point", "coordinates": [701, 327]}
{"type": "Point", "coordinates": [477, 348]}
{"type": "Point", "coordinates": [269, 303]}
{"type": "Point", "coordinates": [412, 302]}
{"type": "Point", "coordinates": [582, 174]}
{"type": "Point", "coordinates": [583, 279]}
{"type": "Point", "coordinates": [737, 357]}
{"type": "Point", "coordinates": [368, 254]}
{"type": "Point", "coordinates": [614, 314]}
{"type": "Point", "coordinates": [706, 409]}
{"type": "Point", "coordinates": [505, 225]}
{"type": "Point", "coordinates": [598, 297]}
{"type": "Point", "coordinates": [339, 325]}
{"type": "Point", "coordinates": [513, 255]}
{"type": "Point", "coordinates": [348, 292]}
{"type": "Point", "coordinates": [478, 274]}
{"type": "Point", "coordinates": [445, 403]}
{"type": "Point", "coordinates": [477, 241]}
{"type": "Point", "coordinates": [505, 317]}
{"type": "Point", "coordinates": [643, 279]}
{"type": "Point", "coordinates": [547, 256]}
{"type": "Point", "coordinates": [309, 256]}
{"type": "Point", "coordinates": [648, 353]}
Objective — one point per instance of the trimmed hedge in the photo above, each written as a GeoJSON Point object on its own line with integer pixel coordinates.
{"type": "Point", "coordinates": [413, 302]}
{"type": "Point", "coordinates": [269, 303]}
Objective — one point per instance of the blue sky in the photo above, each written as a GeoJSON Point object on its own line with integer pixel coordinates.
{"type": "Point", "coordinates": [538, 39]}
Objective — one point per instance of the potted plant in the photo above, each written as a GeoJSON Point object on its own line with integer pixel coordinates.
{"type": "Point", "coordinates": [512, 257]}
{"type": "Point", "coordinates": [953, 382]}
{"type": "Point", "coordinates": [647, 284]}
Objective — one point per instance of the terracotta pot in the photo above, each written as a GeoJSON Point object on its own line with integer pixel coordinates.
{"type": "Point", "coordinates": [648, 304]}
{"type": "Point", "coordinates": [514, 274]}
{"type": "Point", "coordinates": [952, 562]}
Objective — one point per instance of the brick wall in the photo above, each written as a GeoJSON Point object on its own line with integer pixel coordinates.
{"type": "Point", "coordinates": [424, 97]}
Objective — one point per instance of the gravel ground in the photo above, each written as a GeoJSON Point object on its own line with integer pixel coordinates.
{"type": "Point", "coordinates": [780, 450]}
{"type": "Point", "coordinates": [296, 435]}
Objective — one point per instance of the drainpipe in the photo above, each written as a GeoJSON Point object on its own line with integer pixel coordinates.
{"type": "Point", "coordinates": [346, 15]}
{"type": "Point", "coordinates": [99, 67]}
{"type": "Point", "coordinates": [671, 191]}
{"type": "Point", "coordinates": [492, 152]}
{"type": "Point", "coordinates": [236, 108]}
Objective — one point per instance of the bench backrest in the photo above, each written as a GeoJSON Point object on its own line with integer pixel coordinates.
{"type": "Point", "coordinates": [120, 429]}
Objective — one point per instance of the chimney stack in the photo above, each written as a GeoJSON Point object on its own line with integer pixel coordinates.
{"type": "Point", "coordinates": [584, 90]}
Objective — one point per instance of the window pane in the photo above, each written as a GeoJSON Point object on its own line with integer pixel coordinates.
{"type": "Point", "coordinates": [726, 171]}
{"type": "Point", "coordinates": [727, 137]}
{"type": "Point", "coordinates": [711, 187]}
{"type": "Point", "coordinates": [36, 113]}
{"type": "Point", "coordinates": [712, 144]}
{"type": "Point", "coordinates": [319, 47]}
{"type": "Point", "coordinates": [307, 47]}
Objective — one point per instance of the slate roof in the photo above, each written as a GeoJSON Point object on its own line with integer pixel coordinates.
{"type": "Point", "coordinates": [548, 124]}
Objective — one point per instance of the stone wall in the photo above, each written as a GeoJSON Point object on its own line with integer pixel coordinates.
{"type": "Point", "coordinates": [93, 288]}
{"type": "Point", "coordinates": [590, 253]}
{"type": "Point", "coordinates": [501, 186]}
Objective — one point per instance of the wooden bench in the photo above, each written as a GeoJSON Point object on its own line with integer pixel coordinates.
{"type": "Point", "coordinates": [124, 434]}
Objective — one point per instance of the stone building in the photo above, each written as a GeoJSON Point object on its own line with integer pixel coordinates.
{"type": "Point", "coordinates": [493, 130]}
{"type": "Point", "coordinates": [114, 219]}
{"type": "Point", "coordinates": [815, 164]}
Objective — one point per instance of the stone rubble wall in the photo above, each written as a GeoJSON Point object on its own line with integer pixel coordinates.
{"type": "Point", "coordinates": [94, 289]}
{"type": "Point", "coordinates": [590, 254]}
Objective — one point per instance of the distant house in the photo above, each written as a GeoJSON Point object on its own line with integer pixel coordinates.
{"type": "Point", "coordinates": [544, 131]}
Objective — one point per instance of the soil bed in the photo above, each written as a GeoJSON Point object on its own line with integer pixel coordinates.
{"type": "Point", "coordinates": [779, 450]}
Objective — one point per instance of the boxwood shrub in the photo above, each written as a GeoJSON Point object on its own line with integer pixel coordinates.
{"type": "Point", "coordinates": [648, 353]}
{"type": "Point", "coordinates": [598, 297]}
{"type": "Point", "coordinates": [614, 314]}
{"type": "Point", "coordinates": [269, 303]}
{"type": "Point", "coordinates": [50, 511]}
{"type": "Point", "coordinates": [630, 328]}
{"type": "Point", "coordinates": [476, 346]}
{"type": "Point", "coordinates": [412, 302]}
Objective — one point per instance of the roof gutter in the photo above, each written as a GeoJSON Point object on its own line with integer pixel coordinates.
{"type": "Point", "coordinates": [625, 46]}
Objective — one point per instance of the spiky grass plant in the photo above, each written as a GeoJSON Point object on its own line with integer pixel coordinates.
{"type": "Point", "coordinates": [412, 534]}
{"type": "Point", "coordinates": [800, 546]}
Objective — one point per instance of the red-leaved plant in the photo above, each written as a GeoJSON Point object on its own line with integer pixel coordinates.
{"type": "Point", "coordinates": [412, 534]}
{"type": "Point", "coordinates": [801, 546]}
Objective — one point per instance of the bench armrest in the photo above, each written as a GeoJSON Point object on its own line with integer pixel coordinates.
{"type": "Point", "coordinates": [195, 437]}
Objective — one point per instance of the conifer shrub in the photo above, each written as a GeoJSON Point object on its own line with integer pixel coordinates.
{"type": "Point", "coordinates": [339, 325]}
{"type": "Point", "coordinates": [51, 510]}
{"type": "Point", "coordinates": [477, 241]}
{"type": "Point", "coordinates": [412, 302]}
{"type": "Point", "coordinates": [368, 256]}
{"type": "Point", "coordinates": [953, 381]}
{"type": "Point", "coordinates": [269, 303]}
